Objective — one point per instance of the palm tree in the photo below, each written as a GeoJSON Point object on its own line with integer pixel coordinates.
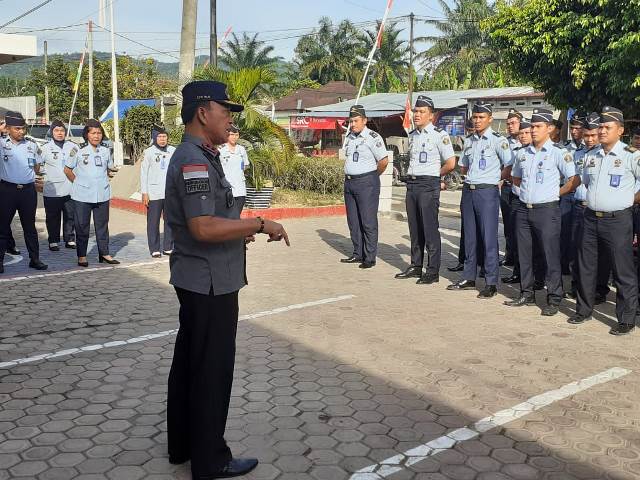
{"type": "Point", "coordinates": [462, 49]}
{"type": "Point", "coordinates": [331, 53]}
{"type": "Point", "coordinates": [248, 52]}
{"type": "Point", "coordinates": [390, 62]}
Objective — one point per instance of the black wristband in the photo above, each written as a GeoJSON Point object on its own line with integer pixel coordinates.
{"type": "Point", "coordinates": [261, 225]}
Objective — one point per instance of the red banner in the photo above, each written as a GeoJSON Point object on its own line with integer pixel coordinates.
{"type": "Point", "coordinates": [314, 123]}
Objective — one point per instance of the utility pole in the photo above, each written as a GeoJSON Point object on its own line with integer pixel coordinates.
{"type": "Point", "coordinates": [411, 22]}
{"type": "Point", "coordinates": [118, 159]}
{"type": "Point", "coordinates": [213, 36]}
{"type": "Point", "coordinates": [46, 86]}
{"type": "Point", "coordinates": [187, 40]}
{"type": "Point", "coordinates": [91, 69]}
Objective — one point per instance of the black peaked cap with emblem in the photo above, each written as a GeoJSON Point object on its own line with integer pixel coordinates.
{"type": "Point", "coordinates": [14, 119]}
{"type": "Point", "coordinates": [592, 121]}
{"type": "Point", "coordinates": [524, 123]}
{"type": "Point", "coordinates": [357, 111]}
{"type": "Point", "coordinates": [513, 113]}
{"type": "Point", "coordinates": [482, 107]}
{"type": "Point", "coordinates": [611, 114]}
{"type": "Point", "coordinates": [208, 90]}
{"type": "Point", "coordinates": [578, 119]}
{"type": "Point", "coordinates": [424, 101]}
{"type": "Point", "coordinates": [541, 115]}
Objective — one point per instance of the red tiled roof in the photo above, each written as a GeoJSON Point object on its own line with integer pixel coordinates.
{"type": "Point", "coordinates": [303, 98]}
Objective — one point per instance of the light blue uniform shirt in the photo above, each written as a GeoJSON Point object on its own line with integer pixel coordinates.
{"type": "Point", "coordinates": [483, 155]}
{"type": "Point", "coordinates": [611, 177]}
{"type": "Point", "coordinates": [234, 164]}
{"type": "Point", "coordinates": [19, 160]}
{"type": "Point", "coordinates": [56, 182]}
{"type": "Point", "coordinates": [363, 151]}
{"type": "Point", "coordinates": [514, 145]}
{"type": "Point", "coordinates": [540, 172]}
{"type": "Point", "coordinates": [579, 160]}
{"type": "Point", "coordinates": [571, 146]}
{"type": "Point", "coordinates": [429, 148]}
{"type": "Point", "coordinates": [90, 167]}
{"type": "Point", "coordinates": [153, 171]}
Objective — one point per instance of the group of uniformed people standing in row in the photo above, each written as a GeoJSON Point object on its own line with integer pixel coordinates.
{"type": "Point", "coordinates": [567, 208]}
{"type": "Point", "coordinates": [74, 181]}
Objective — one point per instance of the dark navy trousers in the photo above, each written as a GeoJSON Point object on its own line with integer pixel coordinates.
{"type": "Point", "coordinates": [22, 199]}
{"type": "Point", "coordinates": [567, 248]}
{"type": "Point", "coordinates": [480, 212]}
{"type": "Point", "coordinates": [59, 209]}
{"type": "Point", "coordinates": [361, 199]}
{"type": "Point", "coordinates": [604, 264]}
{"type": "Point", "coordinates": [506, 208]}
{"type": "Point", "coordinates": [423, 203]}
{"type": "Point", "coordinates": [82, 219]}
{"type": "Point", "coordinates": [154, 212]}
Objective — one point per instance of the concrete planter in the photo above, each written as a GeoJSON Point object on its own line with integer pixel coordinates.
{"type": "Point", "coordinates": [259, 199]}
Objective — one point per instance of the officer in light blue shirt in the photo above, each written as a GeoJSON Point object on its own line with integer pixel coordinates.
{"type": "Point", "coordinates": [610, 173]}
{"type": "Point", "coordinates": [486, 159]}
{"type": "Point", "coordinates": [57, 187]}
{"type": "Point", "coordinates": [89, 171]}
{"type": "Point", "coordinates": [431, 157]}
{"type": "Point", "coordinates": [153, 177]}
{"type": "Point", "coordinates": [366, 159]}
{"type": "Point", "coordinates": [20, 160]}
{"type": "Point", "coordinates": [537, 172]}
{"type": "Point", "coordinates": [514, 118]}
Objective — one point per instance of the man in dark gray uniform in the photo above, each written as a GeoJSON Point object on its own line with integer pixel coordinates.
{"type": "Point", "coordinates": [207, 271]}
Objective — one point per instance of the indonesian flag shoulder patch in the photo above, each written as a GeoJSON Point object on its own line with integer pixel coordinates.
{"type": "Point", "coordinates": [196, 178]}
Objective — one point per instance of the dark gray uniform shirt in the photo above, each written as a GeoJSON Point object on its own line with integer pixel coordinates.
{"type": "Point", "coordinates": [195, 187]}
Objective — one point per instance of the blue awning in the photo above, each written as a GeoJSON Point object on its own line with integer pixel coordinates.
{"type": "Point", "coordinates": [124, 105]}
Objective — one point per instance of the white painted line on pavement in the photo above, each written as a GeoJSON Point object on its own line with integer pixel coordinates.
{"type": "Point", "coordinates": [83, 270]}
{"type": "Point", "coordinates": [166, 333]}
{"type": "Point", "coordinates": [14, 259]}
{"type": "Point", "coordinates": [398, 462]}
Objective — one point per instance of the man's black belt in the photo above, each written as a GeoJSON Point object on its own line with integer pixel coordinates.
{"type": "Point", "coordinates": [615, 213]}
{"type": "Point", "coordinates": [360, 175]}
{"type": "Point", "coordinates": [479, 186]}
{"type": "Point", "coordinates": [422, 177]}
{"type": "Point", "coordinates": [17, 186]}
{"type": "Point", "coordinates": [580, 203]}
{"type": "Point", "coordinates": [541, 205]}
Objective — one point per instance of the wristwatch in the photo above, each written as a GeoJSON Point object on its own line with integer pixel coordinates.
{"type": "Point", "coordinates": [261, 225]}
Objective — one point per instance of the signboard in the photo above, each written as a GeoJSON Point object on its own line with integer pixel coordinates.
{"type": "Point", "coordinates": [452, 121]}
{"type": "Point", "coordinates": [314, 123]}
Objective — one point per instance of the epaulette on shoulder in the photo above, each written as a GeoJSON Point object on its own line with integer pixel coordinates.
{"type": "Point", "coordinates": [558, 145]}
{"type": "Point", "coordinates": [83, 144]}
{"type": "Point", "coordinates": [631, 149]}
{"type": "Point", "coordinates": [469, 136]}
{"type": "Point", "coordinates": [413, 131]}
{"type": "Point", "coordinates": [497, 134]}
{"type": "Point", "coordinates": [438, 129]}
{"type": "Point", "coordinates": [373, 134]}
{"type": "Point", "coordinates": [567, 143]}
{"type": "Point", "coordinates": [517, 148]}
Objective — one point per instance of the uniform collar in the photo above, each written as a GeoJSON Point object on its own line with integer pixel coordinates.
{"type": "Point", "coordinates": [617, 149]}
{"type": "Point", "coordinates": [545, 148]}
{"type": "Point", "coordinates": [199, 142]}
{"type": "Point", "coordinates": [361, 134]}
{"type": "Point", "coordinates": [429, 127]}
{"type": "Point", "coordinates": [485, 135]}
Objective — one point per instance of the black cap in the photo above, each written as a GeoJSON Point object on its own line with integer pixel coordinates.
{"type": "Point", "coordinates": [159, 129]}
{"type": "Point", "coordinates": [592, 121]}
{"type": "Point", "coordinates": [542, 115]}
{"type": "Point", "coordinates": [513, 113]}
{"type": "Point", "coordinates": [524, 123]}
{"type": "Point", "coordinates": [611, 114]}
{"type": "Point", "coordinates": [57, 123]}
{"type": "Point", "coordinates": [424, 101]}
{"type": "Point", "coordinates": [208, 90]}
{"type": "Point", "coordinates": [482, 107]}
{"type": "Point", "coordinates": [578, 119]}
{"type": "Point", "coordinates": [357, 111]}
{"type": "Point", "coordinates": [14, 119]}
{"type": "Point", "coordinates": [234, 129]}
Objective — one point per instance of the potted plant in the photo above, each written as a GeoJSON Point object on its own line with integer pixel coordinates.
{"type": "Point", "coordinates": [260, 184]}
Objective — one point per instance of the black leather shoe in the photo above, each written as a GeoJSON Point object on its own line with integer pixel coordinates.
{"type": "Point", "coordinates": [521, 302]}
{"type": "Point", "coordinates": [488, 291]}
{"type": "Point", "coordinates": [113, 261]}
{"type": "Point", "coordinates": [13, 251]}
{"type": "Point", "coordinates": [622, 329]}
{"type": "Point", "coordinates": [83, 264]}
{"type": "Point", "coordinates": [508, 262]}
{"type": "Point", "coordinates": [367, 265]}
{"type": "Point", "coordinates": [411, 272]}
{"type": "Point", "coordinates": [428, 279]}
{"type": "Point", "coordinates": [351, 259]}
{"type": "Point", "coordinates": [571, 295]}
{"type": "Point", "coordinates": [537, 285]}
{"type": "Point", "coordinates": [71, 245]}
{"type": "Point", "coordinates": [458, 268]}
{"type": "Point", "coordinates": [1, 267]}
{"type": "Point", "coordinates": [235, 468]}
{"type": "Point", "coordinates": [511, 279]}
{"type": "Point", "coordinates": [178, 460]}
{"type": "Point", "coordinates": [54, 247]}
{"type": "Point", "coordinates": [578, 319]}
{"type": "Point", "coordinates": [600, 299]}
{"type": "Point", "coordinates": [38, 265]}
{"type": "Point", "coordinates": [550, 310]}
{"type": "Point", "coordinates": [462, 285]}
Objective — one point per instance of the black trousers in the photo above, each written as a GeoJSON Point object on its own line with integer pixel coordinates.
{"type": "Point", "coordinates": [615, 235]}
{"type": "Point", "coordinates": [567, 248]}
{"type": "Point", "coordinates": [238, 205]}
{"type": "Point", "coordinates": [604, 264]}
{"type": "Point", "coordinates": [361, 198]}
{"type": "Point", "coordinates": [200, 380]}
{"type": "Point", "coordinates": [82, 221]}
{"type": "Point", "coordinates": [423, 204]}
{"type": "Point", "coordinates": [479, 249]}
{"type": "Point", "coordinates": [154, 212]}
{"type": "Point", "coordinates": [480, 213]}
{"type": "Point", "coordinates": [538, 263]}
{"type": "Point", "coordinates": [59, 209]}
{"type": "Point", "coordinates": [23, 200]}
{"type": "Point", "coordinates": [541, 225]}
{"type": "Point", "coordinates": [506, 207]}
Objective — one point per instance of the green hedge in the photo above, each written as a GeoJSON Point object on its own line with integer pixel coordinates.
{"type": "Point", "coordinates": [315, 174]}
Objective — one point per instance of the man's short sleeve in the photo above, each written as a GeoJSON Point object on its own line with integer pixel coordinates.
{"type": "Point", "coordinates": [72, 159]}
{"type": "Point", "coordinates": [566, 165]}
{"type": "Point", "coordinates": [504, 151]}
{"type": "Point", "coordinates": [195, 188]}
{"type": "Point", "coordinates": [516, 171]}
{"type": "Point", "coordinates": [635, 164]}
{"type": "Point", "coordinates": [445, 147]}
{"type": "Point", "coordinates": [376, 144]}
{"type": "Point", "coordinates": [464, 158]}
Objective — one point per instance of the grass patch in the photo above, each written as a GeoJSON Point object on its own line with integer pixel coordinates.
{"type": "Point", "coordinates": [283, 197]}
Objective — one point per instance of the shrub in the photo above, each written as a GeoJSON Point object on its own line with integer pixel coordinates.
{"type": "Point", "coordinates": [315, 174]}
{"type": "Point", "coordinates": [136, 128]}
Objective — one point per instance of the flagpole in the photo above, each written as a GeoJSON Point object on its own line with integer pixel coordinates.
{"type": "Point", "coordinates": [76, 87]}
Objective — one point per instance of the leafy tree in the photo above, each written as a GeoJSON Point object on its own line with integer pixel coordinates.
{"type": "Point", "coordinates": [331, 53]}
{"type": "Point", "coordinates": [60, 81]}
{"type": "Point", "coordinates": [390, 62]}
{"type": "Point", "coordinates": [136, 128]}
{"type": "Point", "coordinates": [248, 52]}
{"type": "Point", "coordinates": [581, 53]}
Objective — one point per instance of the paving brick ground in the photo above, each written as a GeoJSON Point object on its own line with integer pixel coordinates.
{"type": "Point", "coordinates": [321, 391]}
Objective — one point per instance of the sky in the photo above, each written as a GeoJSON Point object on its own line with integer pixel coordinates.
{"type": "Point", "coordinates": [155, 24]}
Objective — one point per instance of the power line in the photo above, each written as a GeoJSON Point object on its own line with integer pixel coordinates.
{"type": "Point", "coordinates": [139, 43]}
{"type": "Point", "coordinates": [28, 12]}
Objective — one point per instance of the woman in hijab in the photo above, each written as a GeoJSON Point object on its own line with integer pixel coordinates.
{"type": "Point", "coordinates": [88, 170]}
